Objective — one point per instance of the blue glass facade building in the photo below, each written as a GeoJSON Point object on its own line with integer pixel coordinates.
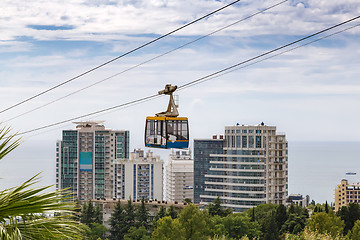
{"type": "Point", "coordinates": [85, 160]}
{"type": "Point", "coordinates": [202, 150]}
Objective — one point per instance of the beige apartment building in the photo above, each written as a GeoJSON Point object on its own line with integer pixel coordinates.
{"type": "Point", "coordinates": [139, 177]}
{"type": "Point", "coordinates": [85, 159]}
{"type": "Point", "coordinates": [252, 170]}
{"type": "Point", "coordinates": [346, 193]}
{"type": "Point", "coordinates": [179, 177]}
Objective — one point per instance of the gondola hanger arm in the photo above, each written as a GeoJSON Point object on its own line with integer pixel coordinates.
{"type": "Point", "coordinates": [172, 107]}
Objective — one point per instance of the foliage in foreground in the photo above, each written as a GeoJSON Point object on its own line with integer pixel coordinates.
{"type": "Point", "coordinates": [23, 209]}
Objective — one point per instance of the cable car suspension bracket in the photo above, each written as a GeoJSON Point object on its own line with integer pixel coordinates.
{"type": "Point", "coordinates": [172, 107]}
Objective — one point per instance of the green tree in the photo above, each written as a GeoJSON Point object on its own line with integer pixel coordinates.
{"type": "Point", "coordinates": [168, 229]}
{"type": "Point", "coordinates": [87, 214]}
{"type": "Point", "coordinates": [294, 224]}
{"type": "Point", "coordinates": [271, 231]}
{"type": "Point", "coordinates": [355, 232]}
{"type": "Point", "coordinates": [215, 208]}
{"type": "Point", "coordinates": [280, 216]}
{"type": "Point", "coordinates": [316, 209]}
{"type": "Point", "coordinates": [237, 225]}
{"type": "Point", "coordinates": [349, 214]}
{"type": "Point", "coordinates": [130, 216]}
{"type": "Point", "coordinates": [160, 214]}
{"type": "Point", "coordinates": [263, 215]}
{"type": "Point", "coordinates": [95, 232]}
{"type": "Point", "coordinates": [22, 208]}
{"type": "Point", "coordinates": [326, 224]}
{"type": "Point", "coordinates": [187, 200]}
{"type": "Point", "coordinates": [253, 215]}
{"type": "Point", "coordinates": [118, 226]}
{"type": "Point", "coordinates": [137, 234]}
{"type": "Point", "coordinates": [171, 212]}
{"type": "Point", "coordinates": [326, 207]}
{"type": "Point", "coordinates": [98, 214]}
{"type": "Point", "coordinates": [196, 224]}
{"type": "Point", "coordinates": [142, 215]}
{"type": "Point", "coordinates": [291, 209]}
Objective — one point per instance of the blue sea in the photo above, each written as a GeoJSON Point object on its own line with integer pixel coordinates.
{"type": "Point", "coordinates": [315, 168]}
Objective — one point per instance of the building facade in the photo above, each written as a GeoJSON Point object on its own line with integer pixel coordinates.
{"type": "Point", "coordinates": [85, 159]}
{"type": "Point", "coordinates": [298, 199]}
{"type": "Point", "coordinates": [203, 148]}
{"type": "Point", "coordinates": [252, 170]}
{"type": "Point", "coordinates": [139, 177]}
{"type": "Point", "coordinates": [346, 193]}
{"type": "Point", "coordinates": [180, 177]}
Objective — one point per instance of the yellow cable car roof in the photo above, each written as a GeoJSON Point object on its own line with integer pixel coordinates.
{"type": "Point", "coordinates": [167, 118]}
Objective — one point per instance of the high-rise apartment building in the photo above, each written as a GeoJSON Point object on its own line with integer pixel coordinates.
{"type": "Point", "coordinates": [139, 177]}
{"type": "Point", "coordinates": [85, 159]}
{"type": "Point", "coordinates": [346, 193]}
{"type": "Point", "coordinates": [203, 148]}
{"type": "Point", "coordinates": [179, 176]}
{"type": "Point", "coordinates": [252, 170]}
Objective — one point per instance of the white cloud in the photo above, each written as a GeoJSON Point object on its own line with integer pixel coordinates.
{"type": "Point", "coordinates": [158, 17]}
{"type": "Point", "coordinates": [326, 69]}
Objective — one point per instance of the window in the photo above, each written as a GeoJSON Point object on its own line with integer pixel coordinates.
{"type": "Point", "coordinates": [258, 141]}
{"type": "Point", "coordinates": [251, 141]}
{"type": "Point", "coordinates": [177, 128]}
{"type": "Point", "coordinates": [238, 141]}
{"type": "Point", "coordinates": [244, 141]}
{"type": "Point", "coordinates": [244, 131]}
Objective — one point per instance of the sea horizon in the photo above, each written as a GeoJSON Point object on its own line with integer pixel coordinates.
{"type": "Point", "coordinates": [315, 167]}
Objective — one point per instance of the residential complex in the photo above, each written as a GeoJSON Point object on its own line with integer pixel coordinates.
{"type": "Point", "coordinates": [85, 159]}
{"type": "Point", "coordinates": [203, 148]}
{"type": "Point", "coordinates": [139, 177]}
{"type": "Point", "coordinates": [298, 199]}
{"type": "Point", "coordinates": [346, 193]}
{"type": "Point", "coordinates": [251, 169]}
{"type": "Point", "coordinates": [179, 176]}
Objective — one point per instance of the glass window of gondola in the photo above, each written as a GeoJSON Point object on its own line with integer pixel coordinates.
{"type": "Point", "coordinates": [177, 129]}
{"type": "Point", "coordinates": [155, 132]}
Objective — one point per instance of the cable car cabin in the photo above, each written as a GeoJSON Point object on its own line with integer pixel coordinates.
{"type": "Point", "coordinates": [167, 132]}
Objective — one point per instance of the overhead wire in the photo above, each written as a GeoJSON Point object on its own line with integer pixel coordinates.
{"type": "Point", "coordinates": [272, 56]}
{"type": "Point", "coordinates": [118, 57]}
{"type": "Point", "coordinates": [147, 61]}
{"type": "Point", "coordinates": [223, 71]}
{"type": "Point", "coordinates": [268, 52]}
{"type": "Point", "coordinates": [97, 115]}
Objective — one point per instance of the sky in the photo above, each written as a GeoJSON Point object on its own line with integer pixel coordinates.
{"type": "Point", "coordinates": [311, 93]}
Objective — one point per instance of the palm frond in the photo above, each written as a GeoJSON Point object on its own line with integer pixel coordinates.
{"type": "Point", "coordinates": [22, 207]}
{"type": "Point", "coordinates": [23, 200]}
{"type": "Point", "coordinates": [8, 141]}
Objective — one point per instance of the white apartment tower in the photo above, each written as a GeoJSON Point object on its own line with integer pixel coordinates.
{"type": "Point", "coordinates": [179, 176]}
{"type": "Point", "coordinates": [252, 170]}
{"type": "Point", "coordinates": [139, 177]}
{"type": "Point", "coordinates": [85, 159]}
